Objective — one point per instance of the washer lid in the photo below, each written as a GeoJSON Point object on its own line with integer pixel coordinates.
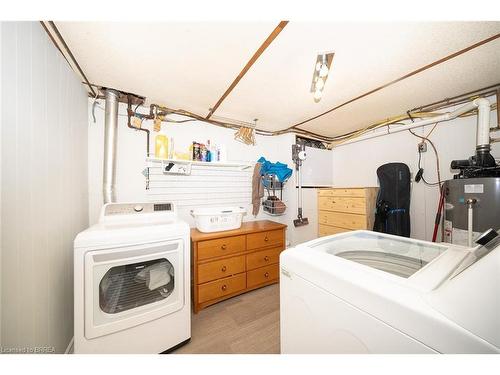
{"type": "Point", "coordinates": [396, 255]}
{"type": "Point", "coordinates": [398, 301]}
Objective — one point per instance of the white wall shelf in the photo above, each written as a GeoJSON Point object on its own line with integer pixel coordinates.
{"type": "Point", "coordinates": [238, 165]}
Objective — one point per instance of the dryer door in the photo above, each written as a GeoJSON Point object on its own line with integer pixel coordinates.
{"type": "Point", "coordinates": [128, 286]}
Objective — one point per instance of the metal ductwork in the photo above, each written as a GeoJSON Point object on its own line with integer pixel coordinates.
{"type": "Point", "coordinates": [110, 136]}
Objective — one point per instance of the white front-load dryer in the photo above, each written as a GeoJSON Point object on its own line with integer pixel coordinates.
{"type": "Point", "coordinates": [132, 281]}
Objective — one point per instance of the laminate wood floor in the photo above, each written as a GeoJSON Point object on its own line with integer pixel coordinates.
{"type": "Point", "coordinates": [245, 324]}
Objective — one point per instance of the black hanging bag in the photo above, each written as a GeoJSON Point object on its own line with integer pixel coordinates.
{"type": "Point", "coordinates": [392, 213]}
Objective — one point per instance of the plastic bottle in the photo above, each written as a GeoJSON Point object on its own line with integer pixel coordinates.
{"type": "Point", "coordinates": [161, 146]}
{"type": "Point", "coordinates": [209, 151]}
{"type": "Point", "coordinates": [213, 152]}
{"type": "Point", "coordinates": [191, 151]}
{"type": "Point", "coordinates": [203, 152]}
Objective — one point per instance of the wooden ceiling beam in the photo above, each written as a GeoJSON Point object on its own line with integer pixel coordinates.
{"type": "Point", "coordinates": [278, 29]}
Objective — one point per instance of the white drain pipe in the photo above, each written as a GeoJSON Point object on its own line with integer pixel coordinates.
{"type": "Point", "coordinates": [470, 214]}
{"type": "Point", "coordinates": [483, 126]}
{"type": "Point", "coordinates": [110, 135]}
{"type": "Point", "coordinates": [483, 122]}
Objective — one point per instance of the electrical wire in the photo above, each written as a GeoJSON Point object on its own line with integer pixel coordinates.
{"type": "Point", "coordinates": [415, 113]}
{"type": "Point", "coordinates": [426, 139]}
{"type": "Point", "coordinates": [430, 132]}
{"type": "Point", "coordinates": [419, 167]}
{"type": "Point", "coordinates": [94, 103]}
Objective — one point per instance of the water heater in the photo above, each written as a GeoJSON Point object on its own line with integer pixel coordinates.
{"type": "Point", "coordinates": [470, 201]}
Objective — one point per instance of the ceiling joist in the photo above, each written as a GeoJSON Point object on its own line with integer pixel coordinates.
{"type": "Point", "coordinates": [59, 42]}
{"type": "Point", "coordinates": [191, 86]}
{"type": "Point", "coordinates": [278, 29]}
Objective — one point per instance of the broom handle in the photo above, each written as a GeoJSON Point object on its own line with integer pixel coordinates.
{"type": "Point", "coordinates": [299, 192]}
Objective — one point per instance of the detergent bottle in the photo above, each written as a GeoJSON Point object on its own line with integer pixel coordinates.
{"type": "Point", "coordinates": [161, 146]}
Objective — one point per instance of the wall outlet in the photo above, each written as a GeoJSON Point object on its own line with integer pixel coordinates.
{"type": "Point", "coordinates": [422, 147]}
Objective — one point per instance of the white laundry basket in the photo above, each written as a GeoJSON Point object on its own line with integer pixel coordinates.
{"type": "Point", "coordinates": [217, 219]}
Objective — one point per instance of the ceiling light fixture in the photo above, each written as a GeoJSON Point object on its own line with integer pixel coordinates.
{"type": "Point", "coordinates": [322, 69]}
{"type": "Point", "coordinates": [320, 84]}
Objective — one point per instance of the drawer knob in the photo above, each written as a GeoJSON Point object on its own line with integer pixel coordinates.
{"type": "Point", "coordinates": [266, 258]}
{"type": "Point", "coordinates": [266, 239]}
{"type": "Point", "coordinates": [223, 269]}
{"type": "Point", "coordinates": [224, 247]}
{"type": "Point", "coordinates": [224, 287]}
{"type": "Point", "coordinates": [266, 275]}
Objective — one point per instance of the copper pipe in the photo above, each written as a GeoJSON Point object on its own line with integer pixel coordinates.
{"type": "Point", "coordinates": [485, 91]}
{"type": "Point", "coordinates": [164, 111]}
{"type": "Point", "coordinates": [458, 100]}
{"type": "Point", "coordinates": [131, 113]}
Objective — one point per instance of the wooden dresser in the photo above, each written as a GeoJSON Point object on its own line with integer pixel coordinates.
{"type": "Point", "coordinates": [344, 209]}
{"type": "Point", "coordinates": [225, 264]}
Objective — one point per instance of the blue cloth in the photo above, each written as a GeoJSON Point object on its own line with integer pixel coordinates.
{"type": "Point", "coordinates": [281, 170]}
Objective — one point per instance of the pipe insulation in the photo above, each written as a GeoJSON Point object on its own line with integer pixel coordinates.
{"type": "Point", "coordinates": [110, 137]}
{"type": "Point", "coordinates": [483, 129]}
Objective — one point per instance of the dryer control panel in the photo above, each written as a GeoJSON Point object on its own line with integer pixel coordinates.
{"type": "Point", "coordinates": [112, 209]}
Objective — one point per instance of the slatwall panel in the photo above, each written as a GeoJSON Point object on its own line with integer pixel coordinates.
{"type": "Point", "coordinates": [44, 187]}
{"type": "Point", "coordinates": [206, 186]}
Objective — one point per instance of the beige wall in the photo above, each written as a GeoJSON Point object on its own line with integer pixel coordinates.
{"type": "Point", "coordinates": [43, 188]}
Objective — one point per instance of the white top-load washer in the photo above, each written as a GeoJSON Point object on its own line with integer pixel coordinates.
{"type": "Point", "coordinates": [367, 292]}
{"type": "Point", "coordinates": [132, 281]}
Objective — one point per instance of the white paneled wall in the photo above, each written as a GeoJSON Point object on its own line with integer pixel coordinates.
{"type": "Point", "coordinates": [230, 187]}
{"type": "Point", "coordinates": [44, 188]}
{"type": "Point", "coordinates": [205, 186]}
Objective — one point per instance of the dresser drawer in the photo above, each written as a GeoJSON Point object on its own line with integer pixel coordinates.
{"type": "Point", "coordinates": [352, 205]}
{"type": "Point", "coordinates": [262, 275]}
{"type": "Point", "coordinates": [220, 247]}
{"type": "Point", "coordinates": [342, 192]}
{"type": "Point", "coordinates": [327, 230]}
{"type": "Point", "coordinates": [263, 258]}
{"type": "Point", "coordinates": [220, 268]}
{"type": "Point", "coordinates": [265, 239]}
{"type": "Point", "coordinates": [220, 288]}
{"type": "Point", "coordinates": [342, 220]}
